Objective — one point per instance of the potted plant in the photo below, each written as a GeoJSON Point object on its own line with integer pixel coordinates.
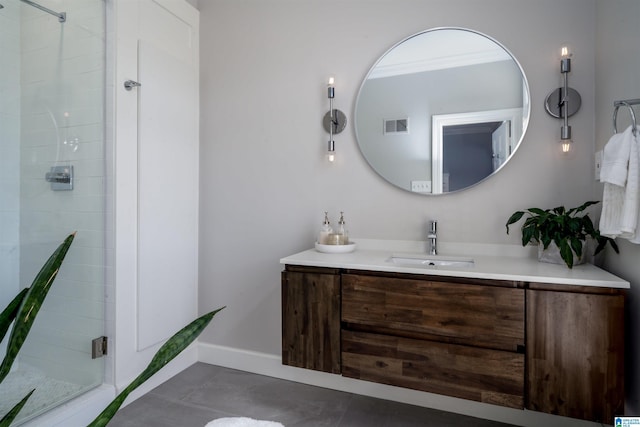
{"type": "Point", "coordinates": [563, 228]}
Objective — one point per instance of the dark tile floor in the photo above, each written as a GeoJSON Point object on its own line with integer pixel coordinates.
{"type": "Point", "coordinates": [205, 392]}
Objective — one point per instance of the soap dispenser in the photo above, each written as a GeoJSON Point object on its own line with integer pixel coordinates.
{"type": "Point", "coordinates": [342, 231]}
{"type": "Point", "coordinates": [325, 231]}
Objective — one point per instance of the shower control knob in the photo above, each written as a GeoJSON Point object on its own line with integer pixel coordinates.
{"type": "Point", "coordinates": [130, 84]}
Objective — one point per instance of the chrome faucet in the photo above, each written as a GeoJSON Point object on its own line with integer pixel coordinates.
{"type": "Point", "coordinates": [432, 237]}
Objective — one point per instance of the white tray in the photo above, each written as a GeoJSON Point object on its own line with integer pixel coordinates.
{"type": "Point", "coordinates": [336, 249]}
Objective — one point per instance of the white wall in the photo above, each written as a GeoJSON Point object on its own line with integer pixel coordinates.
{"type": "Point", "coordinates": [265, 182]}
{"type": "Point", "coordinates": [617, 66]}
{"type": "Point", "coordinates": [264, 179]}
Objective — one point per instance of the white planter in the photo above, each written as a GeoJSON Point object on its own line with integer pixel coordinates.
{"type": "Point", "coordinates": [552, 254]}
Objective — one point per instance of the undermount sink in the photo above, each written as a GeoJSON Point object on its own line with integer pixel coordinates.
{"type": "Point", "coordinates": [430, 261]}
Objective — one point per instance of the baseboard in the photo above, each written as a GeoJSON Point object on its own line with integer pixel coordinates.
{"type": "Point", "coordinates": [270, 365]}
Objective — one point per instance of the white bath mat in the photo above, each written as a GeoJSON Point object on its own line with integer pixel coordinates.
{"type": "Point", "coordinates": [242, 422]}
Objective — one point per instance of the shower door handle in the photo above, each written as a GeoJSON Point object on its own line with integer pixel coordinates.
{"type": "Point", "coordinates": [130, 84]}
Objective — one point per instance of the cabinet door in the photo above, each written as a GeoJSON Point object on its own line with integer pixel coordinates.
{"type": "Point", "coordinates": [311, 319]}
{"type": "Point", "coordinates": [481, 374]}
{"type": "Point", "coordinates": [575, 354]}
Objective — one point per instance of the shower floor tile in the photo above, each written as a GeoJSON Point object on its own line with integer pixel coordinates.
{"type": "Point", "coordinates": [48, 391]}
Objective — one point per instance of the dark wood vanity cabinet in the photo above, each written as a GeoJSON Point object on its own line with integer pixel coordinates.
{"type": "Point", "coordinates": [545, 347]}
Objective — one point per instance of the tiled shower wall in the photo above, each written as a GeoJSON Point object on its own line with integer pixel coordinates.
{"type": "Point", "coordinates": [62, 123]}
{"type": "Point", "coordinates": [9, 152]}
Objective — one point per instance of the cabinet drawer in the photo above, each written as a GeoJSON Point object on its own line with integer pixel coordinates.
{"type": "Point", "coordinates": [470, 314]}
{"type": "Point", "coordinates": [484, 375]}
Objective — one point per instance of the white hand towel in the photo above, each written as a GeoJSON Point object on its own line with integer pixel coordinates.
{"type": "Point", "coordinates": [631, 205]}
{"type": "Point", "coordinates": [621, 197]}
{"type": "Point", "coordinates": [611, 216]}
{"type": "Point", "coordinates": [615, 159]}
{"type": "Point", "coordinates": [613, 173]}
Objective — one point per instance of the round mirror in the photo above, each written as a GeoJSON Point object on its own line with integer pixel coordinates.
{"type": "Point", "coordinates": [442, 110]}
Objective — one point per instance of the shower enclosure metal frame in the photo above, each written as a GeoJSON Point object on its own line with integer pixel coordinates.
{"type": "Point", "coordinates": [62, 16]}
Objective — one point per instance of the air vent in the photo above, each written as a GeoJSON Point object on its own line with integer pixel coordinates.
{"type": "Point", "coordinates": [395, 126]}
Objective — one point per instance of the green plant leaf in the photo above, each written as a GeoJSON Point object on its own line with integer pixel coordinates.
{"type": "Point", "coordinates": [582, 207]}
{"type": "Point", "coordinates": [10, 312]}
{"type": "Point", "coordinates": [576, 246]}
{"type": "Point", "coordinates": [164, 355]}
{"type": "Point", "coordinates": [589, 229]}
{"type": "Point", "coordinates": [574, 226]}
{"type": "Point", "coordinates": [13, 413]}
{"type": "Point", "coordinates": [514, 218]}
{"type": "Point", "coordinates": [613, 244]}
{"type": "Point", "coordinates": [528, 234]}
{"type": "Point", "coordinates": [537, 211]}
{"type": "Point", "coordinates": [602, 243]}
{"type": "Point", "coordinates": [31, 304]}
{"type": "Point", "coordinates": [566, 253]}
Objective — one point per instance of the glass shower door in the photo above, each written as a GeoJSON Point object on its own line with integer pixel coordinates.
{"type": "Point", "coordinates": [52, 83]}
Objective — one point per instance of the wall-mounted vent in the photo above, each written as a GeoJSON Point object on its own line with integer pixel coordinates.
{"type": "Point", "coordinates": [394, 126]}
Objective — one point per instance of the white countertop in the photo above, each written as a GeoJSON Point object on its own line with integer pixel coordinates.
{"type": "Point", "coordinates": [496, 265]}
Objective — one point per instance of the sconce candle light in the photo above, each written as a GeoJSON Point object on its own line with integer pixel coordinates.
{"type": "Point", "coordinates": [564, 102]}
{"type": "Point", "coordinates": [334, 121]}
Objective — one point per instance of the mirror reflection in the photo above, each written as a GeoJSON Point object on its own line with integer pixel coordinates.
{"type": "Point", "coordinates": [442, 111]}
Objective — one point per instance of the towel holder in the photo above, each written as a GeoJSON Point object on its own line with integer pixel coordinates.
{"type": "Point", "coordinates": [626, 103]}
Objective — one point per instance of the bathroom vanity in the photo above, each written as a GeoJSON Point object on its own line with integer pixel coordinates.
{"type": "Point", "coordinates": [508, 331]}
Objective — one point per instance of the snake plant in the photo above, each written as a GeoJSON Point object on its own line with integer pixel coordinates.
{"type": "Point", "coordinates": [165, 354]}
{"type": "Point", "coordinates": [13, 413]}
{"type": "Point", "coordinates": [22, 311]}
{"type": "Point", "coordinates": [10, 313]}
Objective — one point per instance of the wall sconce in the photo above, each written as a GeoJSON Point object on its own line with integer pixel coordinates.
{"type": "Point", "coordinates": [334, 121]}
{"type": "Point", "coordinates": [564, 102]}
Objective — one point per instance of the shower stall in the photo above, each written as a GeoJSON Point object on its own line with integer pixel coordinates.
{"type": "Point", "coordinates": [52, 182]}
